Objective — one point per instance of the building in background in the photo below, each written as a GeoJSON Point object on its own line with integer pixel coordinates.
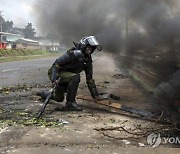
{"type": "Point", "coordinates": [23, 43]}
{"type": "Point", "coordinates": [17, 41]}
{"type": "Point", "coordinates": [46, 44]}
{"type": "Point", "coordinates": [9, 39]}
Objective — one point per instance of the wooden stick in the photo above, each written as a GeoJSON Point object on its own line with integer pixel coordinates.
{"type": "Point", "coordinates": [103, 102]}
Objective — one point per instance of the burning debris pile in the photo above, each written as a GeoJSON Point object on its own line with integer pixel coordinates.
{"type": "Point", "coordinates": [168, 92]}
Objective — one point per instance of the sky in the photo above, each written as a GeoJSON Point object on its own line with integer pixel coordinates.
{"type": "Point", "coordinates": [19, 11]}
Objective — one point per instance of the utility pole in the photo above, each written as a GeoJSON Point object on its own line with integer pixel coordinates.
{"type": "Point", "coordinates": [126, 29]}
{"type": "Point", "coordinates": [1, 24]}
{"type": "Point", "coordinates": [50, 9]}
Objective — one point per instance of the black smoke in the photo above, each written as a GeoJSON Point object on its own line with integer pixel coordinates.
{"type": "Point", "coordinates": [153, 29]}
{"type": "Point", "coordinates": [71, 20]}
{"type": "Point", "coordinates": [168, 92]}
{"type": "Point", "coordinates": [151, 23]}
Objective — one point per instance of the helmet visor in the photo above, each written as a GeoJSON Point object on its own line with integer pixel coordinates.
{"type": "Point", "coordinates": [93, 42]}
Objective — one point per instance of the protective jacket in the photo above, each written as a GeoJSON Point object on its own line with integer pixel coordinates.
{"type": "Point", "coordinates": [75, 61]}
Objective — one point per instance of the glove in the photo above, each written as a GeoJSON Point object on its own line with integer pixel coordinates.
{"type": "Point", "coordinates": [56, 82]}
{"type": "Point", "coordinates": [92, 88]}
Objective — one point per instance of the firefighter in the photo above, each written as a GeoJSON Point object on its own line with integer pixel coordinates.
{"type": "Point", "coordinates": [68, 68]}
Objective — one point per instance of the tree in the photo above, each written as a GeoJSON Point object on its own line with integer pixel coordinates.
{"type": "Point", "coordinates": [1, 22]}
{"type": "Point", "coordinates": [7, 26]}
{"type": "Point", "coordinates": [29, 31]}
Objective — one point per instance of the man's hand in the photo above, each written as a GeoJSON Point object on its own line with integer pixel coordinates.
{"type": "Point", "coordinates": [55, 83]}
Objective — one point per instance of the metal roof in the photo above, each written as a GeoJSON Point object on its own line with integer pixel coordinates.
{"type": "Point", "coordinates": [24, 40]}
{"type": "Point", "coordinates": [10, 34]}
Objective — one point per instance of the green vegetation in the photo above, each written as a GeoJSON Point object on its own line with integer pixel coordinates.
{"type": "Point", "coordinates": [29, 31]}
{"type": "Point", "coordinates": [30, 122]}
{"type": "Point", "coordinates": [24, 54]}
{"type": "Point", "coordinates": [26, 119]}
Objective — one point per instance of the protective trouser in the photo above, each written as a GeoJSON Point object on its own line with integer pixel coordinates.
{"type": "Point", "coordinates": [72, 88]}
{"type": "Point", "coordinates": [69, 83]}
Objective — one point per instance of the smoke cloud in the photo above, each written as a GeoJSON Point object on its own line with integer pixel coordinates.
{"type": "Point", "coordinates": [150, 23]}
{"type": "Point", "coordinates": [153, 26]}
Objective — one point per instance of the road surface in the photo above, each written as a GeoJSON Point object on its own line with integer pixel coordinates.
{"type": "Point", "coordinates": [79, 134]}
{"type": "Point", "coordinates": [25, 72]}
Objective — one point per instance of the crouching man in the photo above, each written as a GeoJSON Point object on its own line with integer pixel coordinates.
{"type": "Point", "coordinates": [68, 68]}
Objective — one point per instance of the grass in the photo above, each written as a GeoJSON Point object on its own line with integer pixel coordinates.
{"type": "Point", "coordinates": [24, 54]}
